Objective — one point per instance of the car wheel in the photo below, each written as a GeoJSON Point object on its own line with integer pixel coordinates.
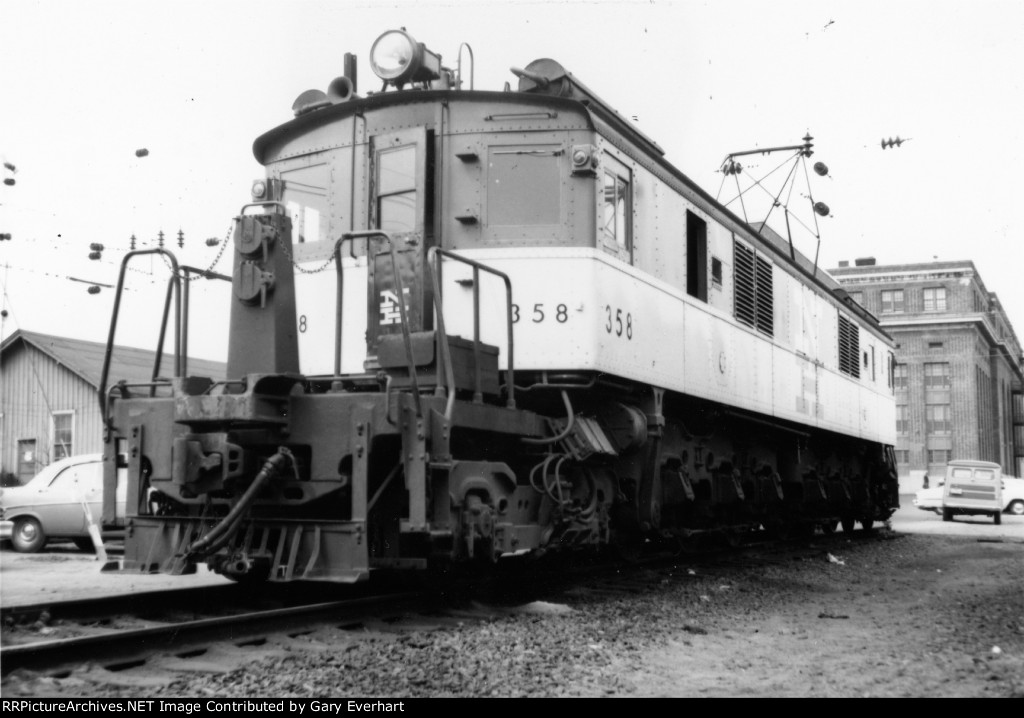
{"type": "Point", "coordinates": [84, 543]}
{"type": "Point", "coordinates": [947, 514]}
{"type": "Point", "coordinates": [998, 517]}
{"type": "Point", "coordinates": [28, 536]}
{"type": "Point", "coordinates": [1016, 508]}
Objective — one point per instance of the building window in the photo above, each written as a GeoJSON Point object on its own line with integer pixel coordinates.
{"type": "Point", "coordinates": [902, 456]}
{"type": "Point", "coordinates": [753, 293]}
{"type": "Point", "coordinates": [937, 421]}
{"type": "Point", "coordinates": [939, 456]}
{"type": "Point", "coordinates": [935, 345]}
{"type": "Point", "coordinates": [849, 347]}
{"type": "Point", "coordinates": [899, 377]}
{"type": "Point", "coordinates": [892, 301]}
{"type": "Point", "coordinates": [902, 419]}
{"type": "Point", "coordinates": [63, 435]}
{"type": "Point", "coordinates": [936, 375]}
{"type": "Point", "coordinates": [935, 299]}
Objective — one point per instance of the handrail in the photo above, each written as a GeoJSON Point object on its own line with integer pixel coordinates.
{"type": "Point", "coordinates": [400, 291]}
{"type": "Point", "coordinates": [206, 274]}
{"type": "Point", "coordinates": [158, 359]}
{"type": "Point", "coordinates": [340, 298]}
{"type": "Point", "coordinates": [477, 267]}
{"type": "Point", "coordinates": [174, 283]}
{"type": "Point", "coordinates": [446, 352]}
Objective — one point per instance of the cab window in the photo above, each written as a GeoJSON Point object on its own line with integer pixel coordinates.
{"type": "Point", "coordinates": [616, 209]}
{"type": "Point", "coordinates": [396, 189]}
{"type": "Point", "coordinates": [305, 196]}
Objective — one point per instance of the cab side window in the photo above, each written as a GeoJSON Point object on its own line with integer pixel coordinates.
{"type": "Point", "coordinates": [616, 211]}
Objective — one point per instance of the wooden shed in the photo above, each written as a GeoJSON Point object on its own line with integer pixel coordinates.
{"type": "Point", "coordinates": [49, 401]}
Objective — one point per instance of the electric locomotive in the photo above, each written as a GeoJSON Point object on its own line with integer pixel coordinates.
{"type": "Point", "coordinates": [474, 325]}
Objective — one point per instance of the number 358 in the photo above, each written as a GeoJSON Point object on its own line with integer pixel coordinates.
{"type": "Point", "coordinates": [618, 322]}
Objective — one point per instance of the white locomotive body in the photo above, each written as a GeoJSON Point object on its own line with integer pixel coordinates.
{"type": "Point", "coordinates": [475, 324]}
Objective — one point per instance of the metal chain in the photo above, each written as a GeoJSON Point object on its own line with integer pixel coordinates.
{"type": "Point", "coordinates": [326, 264]}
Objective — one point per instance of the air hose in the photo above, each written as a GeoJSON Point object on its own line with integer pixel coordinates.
{"type": "Point", "coordinates": [220, 534]}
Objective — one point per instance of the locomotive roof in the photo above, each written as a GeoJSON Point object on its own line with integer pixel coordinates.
{"type": "Point", "coordinates": [599, 114]}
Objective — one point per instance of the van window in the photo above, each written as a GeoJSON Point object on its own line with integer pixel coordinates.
{"type": "Point", "coordinates": [985, 474]}
{"type": "Point", "coordinates": [961, 473]}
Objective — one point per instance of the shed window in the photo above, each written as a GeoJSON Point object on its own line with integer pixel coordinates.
{"type": "Point", "coordinates": [63, 435]}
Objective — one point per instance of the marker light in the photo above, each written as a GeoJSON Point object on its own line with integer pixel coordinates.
{"type": "Point", "coordinates": [397, 58]}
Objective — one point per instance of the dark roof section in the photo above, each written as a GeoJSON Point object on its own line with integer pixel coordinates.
{"type": "Point", "coordinates": [86, 359]}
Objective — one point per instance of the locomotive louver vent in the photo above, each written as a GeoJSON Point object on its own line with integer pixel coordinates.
{"type": "Point", "coordinates": [764, 295]}
{"type": "Point", "coordinates": [744, 292]}
{"type": "Point", "coordinates": [849, 347]}
{"type": "Point", "coordinates": [753, 295]}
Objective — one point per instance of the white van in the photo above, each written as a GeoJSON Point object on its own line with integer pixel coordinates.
{"type": "Point", "coordinates": [973, 488]}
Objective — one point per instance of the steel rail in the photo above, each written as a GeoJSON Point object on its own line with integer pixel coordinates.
{"type": "Point", "coordinates": [134, 645]}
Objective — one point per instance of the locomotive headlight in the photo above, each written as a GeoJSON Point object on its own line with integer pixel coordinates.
{"type": "Point", "coordinates": [259, 189]}
{"type": "Point", "coordinates": [397, 58]}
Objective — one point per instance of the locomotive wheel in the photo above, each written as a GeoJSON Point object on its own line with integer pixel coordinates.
{"type": "Point", "coordinates": [847, 523]}
{"type": "Point", "coordinates": [829, 527]}
{"type": "Point", "coordinates": [867, 523]}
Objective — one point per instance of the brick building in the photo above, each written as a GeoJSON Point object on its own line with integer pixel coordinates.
{"type": "Point", "coordinates": [959, 379]}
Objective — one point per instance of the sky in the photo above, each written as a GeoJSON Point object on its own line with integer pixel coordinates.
{"type": "Point", "coordinates": [84, 85]}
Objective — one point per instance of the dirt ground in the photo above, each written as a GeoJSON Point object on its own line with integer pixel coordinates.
{"type": "Point", "coordinates": [935, 610]}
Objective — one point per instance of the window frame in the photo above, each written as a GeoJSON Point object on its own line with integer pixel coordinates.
{"type": "Point", "coordinates": [902, 419]}
{"type": "Point", "coordinates": [934, 296]}
{"type": "Point", "coordinates": [613, 168]}
{"type": "Point", "coordinates": [896, 301]}
{"type": "Point", "coordinates": [930, 376]}
{"type": "Point", "coordinates": [901, 379]}
{"type": "Point", "coordinates": [55, 455]}
{"type": "Point", "coordinates": [935, 426]}
{"type": "Point", "coordinates": [391, 142]}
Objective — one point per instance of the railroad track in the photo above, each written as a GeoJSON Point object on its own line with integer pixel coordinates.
{"type": "Point", "coordinates": [152, 639]}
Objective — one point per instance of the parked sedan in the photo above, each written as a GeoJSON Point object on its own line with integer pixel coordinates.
{"type": "Point", "coordinates": [58, 502]}
{"type": "Point", "coordinates": [1013, 497]}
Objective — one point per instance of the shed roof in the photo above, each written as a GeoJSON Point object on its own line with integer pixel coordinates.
{"type": "Point", "coordinates": [85, 359]}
